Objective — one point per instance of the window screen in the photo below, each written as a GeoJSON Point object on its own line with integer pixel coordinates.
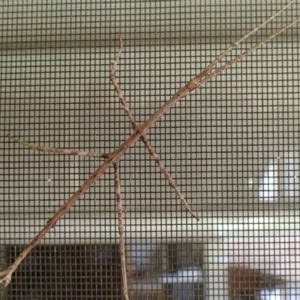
{"type": "Point", "coordinates": [232, 148]}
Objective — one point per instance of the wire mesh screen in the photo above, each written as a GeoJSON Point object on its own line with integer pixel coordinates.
{"type": "Point", "coordinates": [232, 147]}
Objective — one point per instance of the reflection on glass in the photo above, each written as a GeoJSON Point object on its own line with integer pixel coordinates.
{"type": "Point", "coordinates": [281, 180]}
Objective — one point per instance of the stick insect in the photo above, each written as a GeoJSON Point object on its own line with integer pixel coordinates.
{"type": "Point", "coordinates": [139, 133]}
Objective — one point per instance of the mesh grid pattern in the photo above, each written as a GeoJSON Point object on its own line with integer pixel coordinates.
{"type": "Point", "coordinates": [232, 147]}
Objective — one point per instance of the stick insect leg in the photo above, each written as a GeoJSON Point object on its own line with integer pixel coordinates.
{"type": "Point", "coordinates": [143, 137]}
{"type": "Point", "coordinates": [121, 231]}
{"type": "Point", "coordinates": [57, 150]}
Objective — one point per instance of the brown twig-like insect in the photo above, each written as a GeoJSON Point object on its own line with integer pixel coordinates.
{"type": "Point", "coordinates": [121, 231]}
{"type": "Point", "coordinates": [139, 132]}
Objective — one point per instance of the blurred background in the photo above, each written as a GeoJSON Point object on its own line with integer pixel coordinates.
{"type": "Point", "coordinates": [231, 146]}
